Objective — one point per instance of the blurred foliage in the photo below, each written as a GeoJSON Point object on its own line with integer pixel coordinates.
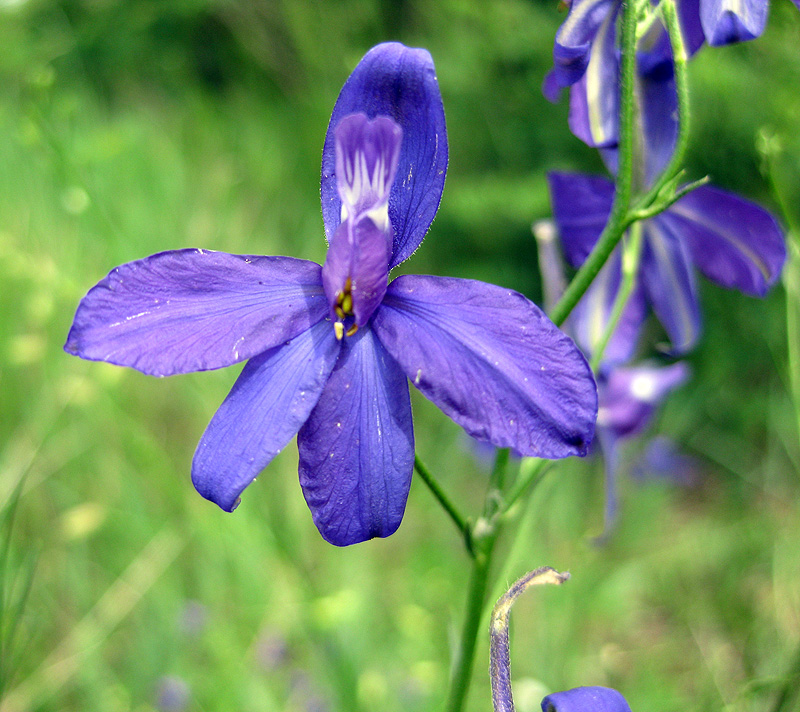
{"type": "Point", "coordinates": [133, 126]}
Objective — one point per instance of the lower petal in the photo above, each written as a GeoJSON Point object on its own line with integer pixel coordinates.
{"type": "Point", "coordinates": [357, 448]}
{"type": "Point", "coordinates": [667, 276]}
{"type": "Point", "coordinates": [273, 396]}
{"type": "Point", "coordinates": [492, 361]}
{"type": "Point", "coordinates": [589, 320]}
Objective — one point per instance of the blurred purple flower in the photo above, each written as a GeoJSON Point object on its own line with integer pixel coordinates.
{"type": "Point", "coordinates": [732, 241]}
{"type": "Point", "coordinates": [663, 461]}
{"type": "Point", "coordinates": [331, 348]}
{"type": "Point", "coordinates": [629, 398]}
{"type": "Point", "coordinates": [586, 699]}
{"type": "Point", "coordinates": [172, 694]}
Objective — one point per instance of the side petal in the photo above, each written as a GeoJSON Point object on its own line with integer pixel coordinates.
{"type": "Point", "coordinates": [668, 279]}
{"type": "Point", "coordinates": [357, 448]}
{"type": "Point", "coordinates": [581, 206]}
{"type": "Point", "coordinates": [272, 398]}
{"type": "Point", "coordinates": [574, 40]}
{"type": "Point", "coordinates": [195, 310]}
{"type": "Point", "coordinates": [594, 100]}
{"type": "Point", "coordinates": [586, 699]}
{"type": "Point", "coordinates": [728, 21]}
{"type": "Point", "coordinates": [492, 361]}
{"type": "Point", "coordinates": [732, 241]}
{"type": "Point", "coordinates": [399, 82]}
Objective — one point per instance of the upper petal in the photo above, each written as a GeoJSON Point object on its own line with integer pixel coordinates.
{"type": "Point", "coordinates": [667, 277]}
{"type": "Point", "coordinates": [727, 21]}
{"type": "Point", "coordinates": [492, 361]}
{"type": "Point", "coordinates": [273, 396]}
{"type": "Point", "coordinates": [357, 448]}
{"type": "Point", "coordinates": [398, 82]}
{"type": "Point", "coordinates": [194, 310]}
{"type": "Point", "coordinates": [581, 206]}
{"type": "Point", "coordinates": [732, 241]}
{"type": "Point", "coordinates": [586, 699]}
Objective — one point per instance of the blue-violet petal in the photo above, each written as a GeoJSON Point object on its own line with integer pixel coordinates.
{"type": "Point", "coordinates": [400, 83]}
{"type": "Point", "coordinates": [272, 398]}
{"type": "Point", "coordinates": [195, 310]}
{"type": "Point", "coordinates": [357, 448]}
{"type": "Point", "coordinates": [581, 206]}
{"type": "Point", "coordinates": [586, 699]}
{"type": "Point", "coordinates": [732, 241]}
{"type": "Point", "coordinates": [668, 279]}
{"type": "Point", "coordinates": [492, 361]}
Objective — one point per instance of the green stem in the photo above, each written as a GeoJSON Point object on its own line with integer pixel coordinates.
{"type": "Point", "coordinates": [444, 500]}
{"type": "Point", "coordinates": [630, 266]}
{"type": "Point", "coordinates": [481, 538]}
{"type": "Point", "coordinates": [476, 602]}
{"type": "Point", "coordinates": [618, 220]}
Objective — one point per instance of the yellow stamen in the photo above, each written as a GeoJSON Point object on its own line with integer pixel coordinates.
{"type": "Point", "coordinates": [347, 303]}
{"type": "Point", "coordinates": [338, 329]}
{"type": "Point", "coordinates": [339, 311]}
{"type": "Point", "coordinates": [352, 330]}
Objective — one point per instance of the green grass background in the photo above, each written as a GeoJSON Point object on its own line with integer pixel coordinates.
{"type": "Point", "coordinates": [129, 127]}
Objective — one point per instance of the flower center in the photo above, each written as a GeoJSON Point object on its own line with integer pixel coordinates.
{"type": "Point", "coordinates": [356, 269]}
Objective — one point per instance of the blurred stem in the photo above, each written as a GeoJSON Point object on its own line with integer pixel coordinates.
{"type": "Point", "coordinates": [631, 254]}
{"type": "Point", "coordinates": [618, 219]}
{"type": "Point", "coordinates": [531, 471]}
{"type": "Point", "coordinates": [444, 500]}
{"type": "Point", "coordinates": [791, 271]}
{"type": "Point", "coordinates": [787, 697]}
{"type": "Point", "coordinates": [791, 280]}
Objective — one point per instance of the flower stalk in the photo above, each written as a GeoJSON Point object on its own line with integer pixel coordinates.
{"type": "Point", "coordinates": [499, 658]}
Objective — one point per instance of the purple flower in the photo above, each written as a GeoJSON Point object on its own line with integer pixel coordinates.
{"type": "Point", "coordinates": [732, 241]}
{"type": "Point", "coordinates": [587, 59]}
{"type": "Point", "coordinates": [331, 348]}
{"type": "Point", "coordinates": [586, 699]}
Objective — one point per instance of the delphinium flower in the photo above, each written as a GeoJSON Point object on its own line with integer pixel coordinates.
{"type": "Point", "coordinates": [586, 59]}
{"type": "Point", "coordinates": [628, 395]}
{"type": "Point", "coordinates": [732, 241]}
{"type": "Point", "coordinates": [586, 699]}
{"type": "Point", "coordinates": [330, 348]}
